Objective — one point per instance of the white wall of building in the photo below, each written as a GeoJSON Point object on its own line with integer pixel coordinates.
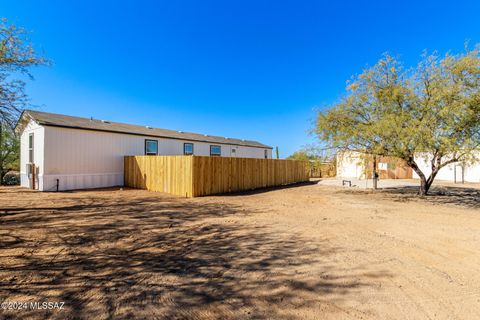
{"type": "Point", "coordinates": [82, 159]}
{"type": "Point", "coordinates": [350, 165]}
{"type": "Point", "coordinates": [448, 173]}
{"type": "Point", "coordinates": [38, 153]}
{"type": "Point", "coordinates": [472, 173]}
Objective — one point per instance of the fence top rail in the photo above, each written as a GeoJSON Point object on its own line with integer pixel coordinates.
{"type": "Point", "coordinates": [196, 156]}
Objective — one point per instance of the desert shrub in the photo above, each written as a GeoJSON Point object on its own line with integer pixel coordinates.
{"type": "Point", "coordinates": [11, 178]}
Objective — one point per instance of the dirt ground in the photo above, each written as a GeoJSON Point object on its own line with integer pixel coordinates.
{"type": "Point", "coordinates": [304, 252]}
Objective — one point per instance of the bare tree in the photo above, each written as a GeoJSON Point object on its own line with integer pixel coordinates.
{"type": "Point", "coordinates": [17, 56]}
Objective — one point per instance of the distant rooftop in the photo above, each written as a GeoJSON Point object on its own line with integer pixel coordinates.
{"type": "Point", "coordinates": [60, 120]}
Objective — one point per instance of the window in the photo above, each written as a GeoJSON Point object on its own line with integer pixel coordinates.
{"type": "Point", "coordinates": [266, 154]}
{"type": "Point", "coordinates": [151, 147]}
{"type": "Point", "coordinates": [188, 149]}
{"type": "Point", "coordinates": [30, 148]}
{"type": "Point", "coordinates": [234, 151]}
{"type": "Point", "coordinates": [215, 151]}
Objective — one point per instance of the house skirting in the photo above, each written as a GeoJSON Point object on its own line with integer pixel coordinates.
{"type": "Point", "coordinates": [48, 182]}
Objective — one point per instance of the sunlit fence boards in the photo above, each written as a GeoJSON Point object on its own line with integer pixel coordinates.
{"type": "Point", "coordinates": [193, 176]}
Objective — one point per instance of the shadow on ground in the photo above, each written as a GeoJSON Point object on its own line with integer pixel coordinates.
{"type": "Point", "coordinates": [108, 254]}
{"type": "Point", "coordinates": [267, 189]}
{"type": "Point", "coordinates": [446, 195]}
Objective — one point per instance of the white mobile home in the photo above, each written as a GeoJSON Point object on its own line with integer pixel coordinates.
{"type": "Point", "coordinates": [79, 153]}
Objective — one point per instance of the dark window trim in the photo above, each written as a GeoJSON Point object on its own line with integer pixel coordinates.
{"type": "Point", "coordinates": [215, 155]}
{"type": "Point", "coordinates": [145, 149]}
{"type": "Point", "coordinates": [266, 154]}
{"type": "Point", "coordinates": [193, 149]}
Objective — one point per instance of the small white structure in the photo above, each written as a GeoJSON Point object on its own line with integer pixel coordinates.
{"type": "Point", "coordinates": [351, 164]}
{"type": "Point", "coordinates": [78, 153]}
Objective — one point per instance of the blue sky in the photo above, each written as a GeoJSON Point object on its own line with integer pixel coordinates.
{"type": "Point", "coordinates": [246, 69]}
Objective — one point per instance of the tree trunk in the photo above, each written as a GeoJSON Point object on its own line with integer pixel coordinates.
{"type": "Point", "coordinates": [375, 175]}
{"type": "Point", "coordinates": [424, 182]}
{"type": "Point", "coordinates": [425, 185]}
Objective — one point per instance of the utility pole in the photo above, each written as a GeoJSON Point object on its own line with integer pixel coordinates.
{"type": "Point", "coordinates": [276, 152]}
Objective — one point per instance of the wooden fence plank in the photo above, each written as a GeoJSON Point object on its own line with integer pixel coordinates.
{"type": "Point", "coordinates": [191, 176]}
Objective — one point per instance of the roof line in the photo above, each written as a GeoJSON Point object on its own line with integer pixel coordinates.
{"type": "Point", "coordinates": [79, 123]}
{"type": "Point", "coordinates": [148, 135]}
{"type": "Point", "coordinates": [19, 121]}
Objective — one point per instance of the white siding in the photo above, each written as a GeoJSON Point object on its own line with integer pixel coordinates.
{"type": "Point", "coordinates": [472, 173]}
{"type": "Point", "coordinates": [350, 165]}
{"type": "Point", "coordinates": [447, 173]}
{"type": "Point", "coordinates": [38, 155]}
{"type": "Point", "coordinates": [92, 159]}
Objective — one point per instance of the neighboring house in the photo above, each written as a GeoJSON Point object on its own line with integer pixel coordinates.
{"type": "Point", "coordinates": [455, 172]}
{"type": "Point", "coordinates": [78, 153]}
{"type": "Point", "coordinates": [355, 164]}
{"type": "Point", "coordinates": [358, 165]}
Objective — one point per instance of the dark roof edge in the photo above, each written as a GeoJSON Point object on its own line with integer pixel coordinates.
{"type": "Point", "coordinates": [148, 135]}
{"type": "Point", "coordinates": [19, 121]}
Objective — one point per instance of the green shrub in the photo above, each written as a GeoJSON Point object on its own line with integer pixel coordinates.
{"type": "Point", "coordinates": [12, 178]}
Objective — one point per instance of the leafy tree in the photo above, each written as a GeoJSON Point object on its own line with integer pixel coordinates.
{"type": "Point", "coordinates": [313, 152]}
{"type": "Point", "coordinates": [301, 155]}
{"type": "Point", "coordinates": [430, 112]}
{"type": "Point", "coordinates": [322, 162]}
{"type": "Point", "coordinates": [17, 56]}
{"type": "Point", "coordinates": [10, 151]}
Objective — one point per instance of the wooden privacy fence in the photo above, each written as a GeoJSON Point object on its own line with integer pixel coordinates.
{"type": "Point", "coordinates": [322, 169]}
{"type": "Point", "coordinates": [193, 176]}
